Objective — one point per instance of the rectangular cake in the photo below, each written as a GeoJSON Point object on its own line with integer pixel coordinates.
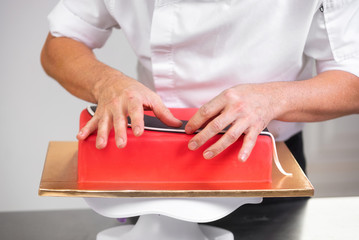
{"type": "Point", "coordinates": [163, 157]}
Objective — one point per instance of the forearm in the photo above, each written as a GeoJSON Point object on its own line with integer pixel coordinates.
{"type": "Point", "coordinates": [329, 95]}
{"type": "Point", "coordinates": [75, 67]}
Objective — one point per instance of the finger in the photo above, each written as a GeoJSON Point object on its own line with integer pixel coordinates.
{"type": "Point", "coordinates": [212, 128]}
{"type": "Point", "coordinates": [165, 115]}
{"type": "Point", "coordinates": [135, 111]}
{"type": "Point", "coordinates": [230, 137]}
{"type": "Point", "coordinates": [103, 130]}
{"type": "Point", "coordinates": [89, 128]}
{"type": "Point", "coordinates": [203, 115]}
{"type": "Point", "coordinates": [249, 141]}
{"type": "Point", "coordinates": [120, 128]}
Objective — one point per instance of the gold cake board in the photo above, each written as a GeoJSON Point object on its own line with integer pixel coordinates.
{"type": "Point", "coordinates": [59, 179]}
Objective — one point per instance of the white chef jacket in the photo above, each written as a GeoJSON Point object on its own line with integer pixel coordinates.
{"type": "Point", "coordinates": [191, 50]}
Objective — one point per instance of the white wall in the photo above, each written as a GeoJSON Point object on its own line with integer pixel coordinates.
{"type": "Point", "coordinates": [34, 109]}
{"type": "Point", "coordinates": [332, 150]}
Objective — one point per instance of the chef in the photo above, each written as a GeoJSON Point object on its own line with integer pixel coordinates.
{"type": "Point", "coordinates": [247, 64]}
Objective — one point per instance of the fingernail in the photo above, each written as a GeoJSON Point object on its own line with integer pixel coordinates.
{"type": "Point", "coordinates": [243, 157]}
{"type": "Point", "coordinates": [80, 134]}
{"type": "Point", "coordinates": [208, 154]}
{"type": "Point", "coordinates": [188, 130]}
{"type": "Point", "coordinates": [120, 142]}
{"type": "Point", "coordinates": [136, 131]}
{"type": "Point", "coordinates": [99, 143]}
{"type": "Point", "coordinates": [192, 145]}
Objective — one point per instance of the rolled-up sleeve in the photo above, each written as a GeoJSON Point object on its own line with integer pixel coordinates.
{"type": "Point", "coordinates": [333, 40]}
{"type": "Point", "coordinates": [86, 21]}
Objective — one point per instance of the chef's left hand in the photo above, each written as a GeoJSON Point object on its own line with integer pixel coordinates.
{"type": "Point", "coordinates": [246, 108]}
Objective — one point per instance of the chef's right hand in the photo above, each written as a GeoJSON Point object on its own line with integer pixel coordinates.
{"type": "Point", "coordinates": [118, 97]}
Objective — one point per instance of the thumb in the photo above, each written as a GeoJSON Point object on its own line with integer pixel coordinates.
{"type": "Point", "coordinates": [165, 115]}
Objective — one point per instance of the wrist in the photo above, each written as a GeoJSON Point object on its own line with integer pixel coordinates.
{"type": "Point", "coordinates": [280, 97]}
{"type": "Point", "coordinates": [107, 78]}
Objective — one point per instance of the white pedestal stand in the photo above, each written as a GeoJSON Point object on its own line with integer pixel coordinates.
{"type": "Point", "coordinates": [167, 218]}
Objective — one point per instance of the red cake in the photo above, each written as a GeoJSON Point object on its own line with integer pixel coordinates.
{"type": "Point", "coordinates": [163, 157]}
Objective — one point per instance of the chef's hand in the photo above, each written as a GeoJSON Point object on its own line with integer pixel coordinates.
{"type": "Point", "coordinates": [118, 98]}
{"type": "Point", "coordinates": [246, 108]}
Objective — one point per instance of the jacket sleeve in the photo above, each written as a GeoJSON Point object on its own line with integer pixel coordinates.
{"type": "Point", "coordinates": [87, 21]}
{"type": "Point", "coordinates": [333, 39]}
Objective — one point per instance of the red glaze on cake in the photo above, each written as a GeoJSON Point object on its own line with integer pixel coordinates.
{"type": "Point", "coordinates": [163, 157]}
